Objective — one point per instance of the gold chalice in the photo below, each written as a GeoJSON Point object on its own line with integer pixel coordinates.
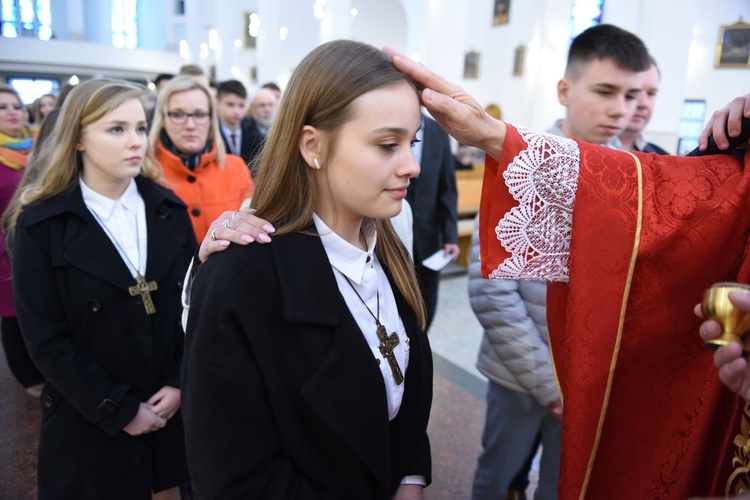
{"type": "Point", "coordinates": [717, 306]}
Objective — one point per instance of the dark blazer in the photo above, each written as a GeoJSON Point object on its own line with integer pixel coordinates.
{"type": "Point", "coordinates": [653, 148]}
{"type": "Point", "coordinates": [100, 352]}
{"type": "Point", "coordinates": [282, 397]}
{"type": "Point", "coordinates": [435, 199]}
{"type": "Point", "coordinates": [252, 141]}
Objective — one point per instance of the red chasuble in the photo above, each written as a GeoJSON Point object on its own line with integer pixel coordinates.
{"type": "Point", "coordinates": [645, 415]}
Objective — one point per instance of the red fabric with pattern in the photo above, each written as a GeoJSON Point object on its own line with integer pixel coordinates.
{"type": "Point", "coordinates": [669, 425]}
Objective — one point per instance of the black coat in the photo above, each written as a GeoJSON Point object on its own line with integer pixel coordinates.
{"type": "Point", "coordinates": [99, 351]}
{"type": "Point", "coordinates": [282, 397]}
{"type": "Point", "coordinates": [434, 201]}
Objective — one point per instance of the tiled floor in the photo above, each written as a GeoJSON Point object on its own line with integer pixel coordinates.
{"type": "Point", "coordinates": [19, 431]}
{"type": "Point", "coordinates": [455, 425]}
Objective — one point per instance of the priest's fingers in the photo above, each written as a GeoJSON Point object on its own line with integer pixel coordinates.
{"type": "Point", "coordinates": [740, 299]}
{"type": "Point", "coordinates": [733, 369]}
{"type": "Point", "coordinates": [710, 330]}
{"type": "Point", "coordinates": [456, 111]}
{"type": "Point", "coordinates": [727, 119]}
{"type": "Point", "coordinates": [423, 76]}
{"type": "Point", "coordinates": [466, 122]}
{"type": "Point", "coordinates": [698, 310]}
{"type": "Point", "coordinates": [738, 108]}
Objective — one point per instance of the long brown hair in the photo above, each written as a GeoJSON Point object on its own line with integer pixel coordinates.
{"type": "Point", "coordinates": [320, 93]}
{"type": "Point", "coordinates": [87, 103]}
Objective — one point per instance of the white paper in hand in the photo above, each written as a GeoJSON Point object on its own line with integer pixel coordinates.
{"type": "Point", "coordinates": [437, 261]}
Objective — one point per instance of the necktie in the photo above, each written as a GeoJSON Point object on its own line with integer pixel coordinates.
{"type": "Point", "coordinates": [234, 142]}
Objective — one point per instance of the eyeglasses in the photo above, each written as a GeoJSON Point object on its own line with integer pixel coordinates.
{"type": "Point", "coordinates": [180, 117]}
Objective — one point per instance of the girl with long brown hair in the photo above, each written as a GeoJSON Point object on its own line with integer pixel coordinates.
{"type": "Point", "coordinates": [307, 371]}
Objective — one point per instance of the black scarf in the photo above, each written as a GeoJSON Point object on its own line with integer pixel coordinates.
{"type": "Point", "coordinates": [191, 161]}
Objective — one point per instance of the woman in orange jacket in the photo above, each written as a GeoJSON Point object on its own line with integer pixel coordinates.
{"type": "Point", "coordinates": [186, 140]}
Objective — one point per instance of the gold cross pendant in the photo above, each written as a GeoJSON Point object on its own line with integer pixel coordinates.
{"type": "Point", "coordinates": [144, 289]}
{"type": "Point", "coordinates": [387, 344]}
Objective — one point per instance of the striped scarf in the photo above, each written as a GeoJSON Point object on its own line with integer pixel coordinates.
{"type": "Point", "coordinates": [14, 152]}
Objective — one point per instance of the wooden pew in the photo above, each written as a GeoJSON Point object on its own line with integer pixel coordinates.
{"type": "Point", "coordinates": [465, 230]}
{"type": "Point", "coordinates": [469, 187]}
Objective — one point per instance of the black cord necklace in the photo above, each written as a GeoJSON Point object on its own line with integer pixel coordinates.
{"type": "Point", "coordinates": [141, 287]}
{"type": "Point", "coordinates": [387, 342]}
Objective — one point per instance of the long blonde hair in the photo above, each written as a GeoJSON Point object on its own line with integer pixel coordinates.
{"type": "Point", "coordinates": [319, 94]}
{"type": "Point", "coordinates": [183, 84]}
{"type": "Point", "coordinates": [55, 167]}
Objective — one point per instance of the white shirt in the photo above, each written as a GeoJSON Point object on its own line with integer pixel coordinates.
{"type": "Point", "coordinates": [368, 278]}
{"type": "Point", "coordinates": [403, 223]}
{"type": "Point", "coordinates": [238, 137]}
{"type": "Point", "coordinates": [124, 222]}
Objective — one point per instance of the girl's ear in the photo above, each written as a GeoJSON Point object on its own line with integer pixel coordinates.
{"type": "Point", "coordinates": [311, 146]}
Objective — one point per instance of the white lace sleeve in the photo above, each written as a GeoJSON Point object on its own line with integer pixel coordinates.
{"type": "Point", "coordinates": [543, 178]}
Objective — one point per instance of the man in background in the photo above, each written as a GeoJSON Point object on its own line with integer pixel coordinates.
{"type": "Point", "coordinates": [161, 80]}
{"type": "Point", "coordinates": [238, 135]}
{"type": "Point", "coordinates": [434, 201]}
{"type": "Point", "coordinates": [196, 73]}
{"type": "Point", "coordinates": [632, 137]}
{"type": "Point", "coordinates": [273, 88]}
{"type": "Point", "coordinates": [258, 121]}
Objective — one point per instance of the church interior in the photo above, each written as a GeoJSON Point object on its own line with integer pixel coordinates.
{"type": "Point", "coordinates": [506, 52]}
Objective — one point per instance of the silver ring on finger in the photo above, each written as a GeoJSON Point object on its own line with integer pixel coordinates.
{"type": "Point", "coordinates": [226, 223]}
{"type": "Point", "coordinates": [233, 214]}
{"type": "Point", "coordinates": [213, 235]}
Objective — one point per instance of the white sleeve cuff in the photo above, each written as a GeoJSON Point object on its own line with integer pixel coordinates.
{"type": "Point", "coordinates": [421, 480]}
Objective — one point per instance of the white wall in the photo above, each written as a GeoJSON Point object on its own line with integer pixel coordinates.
{"type": "Point", "coordinates": [681, 35]}
{"type": "Point", "coordinates": [683, 40]}
{"type": "Point", "coordinates": [703, 81]}
{"type": "Point", "coordinates": [23, 56]}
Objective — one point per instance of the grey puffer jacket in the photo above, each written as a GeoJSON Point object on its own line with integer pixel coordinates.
{"type": "Point", "coordinates": [515, 348]}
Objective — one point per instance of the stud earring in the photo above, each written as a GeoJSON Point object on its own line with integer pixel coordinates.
{"type": "Point", "coordinates": [317, 165]}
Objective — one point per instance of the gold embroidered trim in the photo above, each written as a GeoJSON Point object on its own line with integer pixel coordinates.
{"type": "Point", "coordinates": [554, 372]}
{"type": "Point", "coordinates": [737, 484]}
{"type": "Point", "coordinates": [623, 308]}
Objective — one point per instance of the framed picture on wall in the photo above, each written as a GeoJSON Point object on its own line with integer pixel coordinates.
{"type": "Point", "coordinates": [471, 65]}
{"type": "Point", "coordinates": [519, 59]}
{"type": "Point", "coordinates": [733, 50]}
{"type": "Point", "coordinates": [250, 25]}
{"type": "Point", "coordinates": [501, 13]}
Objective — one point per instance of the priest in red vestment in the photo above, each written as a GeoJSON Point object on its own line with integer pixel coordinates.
{"type": "Point", "coordinates": [629, 242]}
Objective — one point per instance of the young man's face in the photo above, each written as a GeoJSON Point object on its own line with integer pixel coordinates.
{"type": "Point", "coordinates": [231, 108]}
{"type": "Point", "coordinates": [645, 102]}
{"type": "Point", "coordinates": [600, 101]}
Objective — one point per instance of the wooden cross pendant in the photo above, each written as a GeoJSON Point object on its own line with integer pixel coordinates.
{"type": "Point", "coordinates": [144, 289]}
{"type": "Point", "coordinates": [387, 344]}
